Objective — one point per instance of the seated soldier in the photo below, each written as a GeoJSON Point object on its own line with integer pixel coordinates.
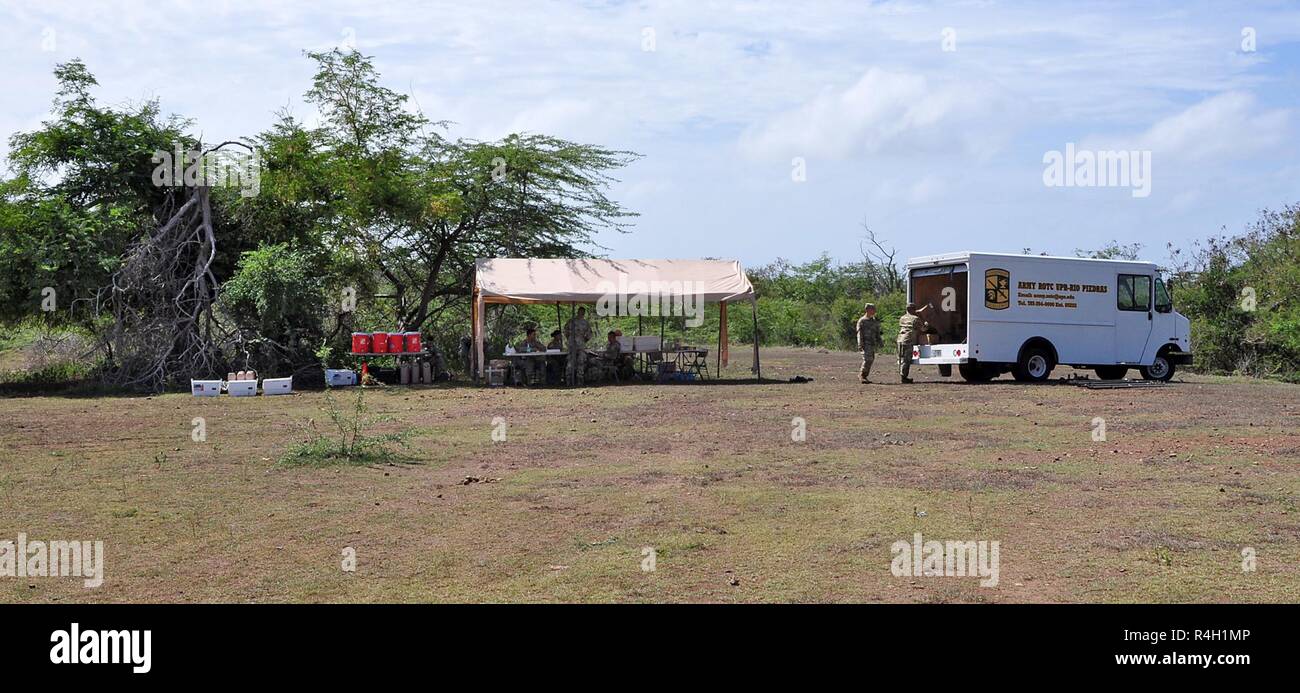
{"type": "Point", "coordinates": [531, 364]}
{"type": "Point", "coordinates": [555, 364]}
{"type": "Point", "coordinates": [612, 347]}
{"type": "Point", "coordinates": [531, 343]}
{"type": "Point", "coordinates": [611, 357]}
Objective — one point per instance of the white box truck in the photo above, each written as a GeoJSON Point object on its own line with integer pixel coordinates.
{"type": "Point", "coordinates": [993, 313]}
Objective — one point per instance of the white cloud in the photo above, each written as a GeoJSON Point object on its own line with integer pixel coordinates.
{"type": "Point", "coordinates": [884, 111]}
{"type": "Point", "coordinates": [1218, 129]}
{"type": "Point", "coordinates": [1225, 126]}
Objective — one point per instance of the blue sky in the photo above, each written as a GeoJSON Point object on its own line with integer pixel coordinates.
{"type": "Point", "coordinates": [928, 121]}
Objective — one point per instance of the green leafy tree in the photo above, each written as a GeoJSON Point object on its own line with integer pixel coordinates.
{"type": "Point", "coordinates": [417, 208]}
{"type": "Point", "coordinates": [278, 303]}
{"type": "Point", "coordinates": [81, 191]}
{"type": "Point", "coordinates": [1242, 295]}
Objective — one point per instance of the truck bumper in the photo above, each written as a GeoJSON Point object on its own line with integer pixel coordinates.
{"type": "Point", "coordinates": [938, 354]}
{"type": "Point", "coordinates": [1181, 358]}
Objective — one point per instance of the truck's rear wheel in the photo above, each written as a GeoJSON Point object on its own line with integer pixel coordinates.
{"type": "Point", "coordinates": [945, 370]}
{"type": "Point", "coordinates": [1161, 369]}
{"type": "Point", "coordinates": [1111, 372]}
{"type": "Point", "coordinates": [975, 372]}
{"type": "Point", "coordinates": [1035, 365]}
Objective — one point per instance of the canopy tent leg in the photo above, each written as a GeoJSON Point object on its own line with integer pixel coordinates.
{"type": "Point", "coordinates": [722, 333]}
{"type": "Point", "coordinates": [479, 322]}
{"type": "Point", "coordinates": [473, 335]}
{"type": "Point", "coordinates": [753, 307]}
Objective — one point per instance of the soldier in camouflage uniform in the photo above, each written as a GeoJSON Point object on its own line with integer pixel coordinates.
{"type": "Point", "coordinates": [528, 366]}
{"type": "Point", "coordinates": [576, 332]}
{"type": "Point", "coordinates": [910, 327]}
{"type": "Point", "coordinates": [868, 339]}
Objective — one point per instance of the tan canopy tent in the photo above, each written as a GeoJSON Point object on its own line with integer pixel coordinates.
{"type": "Point", "coordinates": [522, 280]}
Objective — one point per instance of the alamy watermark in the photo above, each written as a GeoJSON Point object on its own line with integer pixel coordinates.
{"type": "Point", "coordinates": [29, 559]}
{"type": "Point", "coordinates": [1086, 168]}
{"type": "Point", "coordinates": [653, 298]}
{"type": "Point", "coordinates": [920, 558]}
{"type": "Point", "coordinates": [218, 168]}
{"type": "Point", "coordinates": [90, 646]}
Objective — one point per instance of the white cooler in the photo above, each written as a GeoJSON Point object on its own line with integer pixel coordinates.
{"type": "Point", "coordinates": [241, 388]}
{"type": "Point", "coordinates": [205, 388]}
{"type": "Point", "coordinates": [277, 386]}
{"type": "Point", "coordinates": [338, 377]}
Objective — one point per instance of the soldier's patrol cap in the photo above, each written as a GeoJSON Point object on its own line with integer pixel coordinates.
{"type": "Point", "coordinates": [870, 306]}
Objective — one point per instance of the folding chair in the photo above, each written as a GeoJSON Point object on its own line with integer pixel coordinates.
{"type": "Point", "coordinates": [699, 365]}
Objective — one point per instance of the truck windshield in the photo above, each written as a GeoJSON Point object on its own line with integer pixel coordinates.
{"type": "Point", "coordinates": [1163, 303]}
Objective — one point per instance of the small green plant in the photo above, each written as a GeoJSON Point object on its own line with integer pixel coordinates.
{"type": "Point", "coordinates": [347, 442]}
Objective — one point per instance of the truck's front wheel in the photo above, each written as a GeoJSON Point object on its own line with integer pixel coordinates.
{"type": "Point", "coordinates": [1160, 369]}
{"type": "Point", "coordinates": [1035, 365]}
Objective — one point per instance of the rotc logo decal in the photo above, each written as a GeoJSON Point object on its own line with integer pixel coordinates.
{"type": "Point", "coordinates": [997, 289]}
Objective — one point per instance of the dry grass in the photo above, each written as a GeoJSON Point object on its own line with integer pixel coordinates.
{"type": "Point", "coordinates": [707, 475]}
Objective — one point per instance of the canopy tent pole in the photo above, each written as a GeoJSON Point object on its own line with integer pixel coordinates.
{"type": "Point", "coordinates": [722, 332]}
{"type": "Point", "coordinates": [479, 322]}
{"type": "Point", "coordinates": [753, 306]}
{"type": "Point", "coordinates": [473, 334]}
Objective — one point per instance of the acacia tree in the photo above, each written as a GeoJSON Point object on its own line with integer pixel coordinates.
{"type": "Point", "coordinates": [384, 186]}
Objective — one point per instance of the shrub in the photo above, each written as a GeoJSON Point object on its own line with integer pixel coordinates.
{"type": "Point", "coordinates": [347, 442]}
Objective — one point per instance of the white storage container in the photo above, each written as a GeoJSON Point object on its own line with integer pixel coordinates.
{"type": "Point", "coordinates": [242, 388]}
{"type": "Point", "coordinates": [277, 386]}
{"type": "Point", "coordinates": [205, 388]}
{"type": "Point", "coordinates": [647, 342]}
{"type": "Point", "coordinates": [339, 377]}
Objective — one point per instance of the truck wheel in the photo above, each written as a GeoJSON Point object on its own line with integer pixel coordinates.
{"type": "Point", "coordinates": [945, 370]}
{"type": "Point", "coordinates": [1035, 365]}
{"type": "Point", "coordinates": [1160, 369]}
{"type": "Point", "coordinates": [1111, 372]}
{"type": "Point", "coordinates": [975, 373]}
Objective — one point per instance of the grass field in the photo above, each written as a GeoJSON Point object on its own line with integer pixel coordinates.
{"type": "Point", "coordinates": [707, 475]}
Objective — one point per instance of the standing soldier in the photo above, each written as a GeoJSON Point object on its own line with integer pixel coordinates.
{"type": "Point", "coordinates": [910, 326]}
{"type": "Point", "coordinates": [576, 333]}
{"type": "Point", "coordinates": [868, 340]}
